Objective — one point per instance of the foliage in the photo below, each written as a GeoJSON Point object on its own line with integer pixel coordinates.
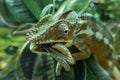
{"type": "Point", "coordinates": [7, 39]}
{"type": "Point", "coordinates": [107, 10]}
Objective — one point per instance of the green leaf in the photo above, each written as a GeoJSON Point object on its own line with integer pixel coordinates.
{"type": "Point", "coordinates": [46, 10]}
{"type": "Point", "coordinates": [36, 6]}
{"type": "Point", "coordinates": [78, 6]}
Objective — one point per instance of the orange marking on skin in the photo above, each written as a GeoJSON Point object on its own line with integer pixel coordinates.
{"type": "Point", "coordinates": [98, 47]}
{"type": "Point", "coordinates": [103, 62]}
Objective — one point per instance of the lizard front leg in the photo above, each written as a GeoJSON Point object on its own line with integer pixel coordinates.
{"type": "Point", "coordinates": [84, 52]}
{"type": "Point", "coordinates": [62, 59]}
{"type": "Point", "coordinates": [63, 49]}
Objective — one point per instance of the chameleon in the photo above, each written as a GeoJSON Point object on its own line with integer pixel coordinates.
{"type": "Point", "coordinates": [85, 32]}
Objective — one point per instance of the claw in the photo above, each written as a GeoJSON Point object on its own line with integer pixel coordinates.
{"type": "Point", "coordinates": [63, 49]}
{"type": "Point", "coordinates": [58, 69]}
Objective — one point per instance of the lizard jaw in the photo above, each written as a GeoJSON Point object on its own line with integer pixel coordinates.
{"type": "Point", "coordinates": [66, 42]}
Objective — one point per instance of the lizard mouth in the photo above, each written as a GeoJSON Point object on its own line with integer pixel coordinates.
{"type": "Point", "coordinates": [40, 46]}
{"type": "Point", "coordinates": [52, 42]}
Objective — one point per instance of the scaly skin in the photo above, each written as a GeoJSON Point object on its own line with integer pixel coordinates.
{"type": "Point", "coordinates": [85, 32]}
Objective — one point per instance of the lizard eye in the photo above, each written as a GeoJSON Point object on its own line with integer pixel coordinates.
{"type": "Point", "coordinates": [62, 30]}
{"type": "Point", "coordinates": [66, 31]}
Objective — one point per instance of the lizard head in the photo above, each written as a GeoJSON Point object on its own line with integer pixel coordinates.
{"type": "Point", "coordinates": [47, 31]}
